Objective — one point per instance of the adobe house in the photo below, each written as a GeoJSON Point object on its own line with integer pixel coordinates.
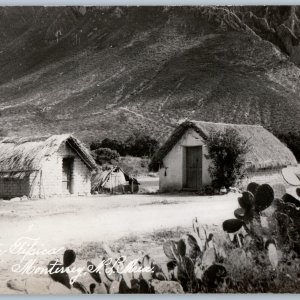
{"type": "Point", "coordinates": [44, 166]}
{"type": "Point", "coordinates": [184, 165]}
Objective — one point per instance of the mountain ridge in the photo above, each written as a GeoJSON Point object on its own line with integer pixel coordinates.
{"type": "Point", "coordinates": [105, 72]}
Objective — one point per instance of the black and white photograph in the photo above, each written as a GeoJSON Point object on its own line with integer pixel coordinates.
{"type": "Point", "coordinates": [149, 150]}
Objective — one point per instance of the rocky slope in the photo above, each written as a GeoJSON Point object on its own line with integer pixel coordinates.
{"type": "Point", "coordinates": [101, 72]}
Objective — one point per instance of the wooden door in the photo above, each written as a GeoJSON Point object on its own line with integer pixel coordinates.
{"type": "Point", "coordinates": [68, 163]}
{"type": "Point", "coordinates": [194, 167]}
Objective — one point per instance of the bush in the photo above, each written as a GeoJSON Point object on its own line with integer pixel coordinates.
{"type": "Point", "coordinates": [226, 149]}
{"type": "Point", "coordinates": [105, 155]}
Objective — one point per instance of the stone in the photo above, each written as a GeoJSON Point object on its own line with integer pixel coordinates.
{"type": "Point", "coordinates": [24, 198]}
{"type": "Point", "coordinates": [166, 287]}
{"type": "Point", "coordinates": [17, 285]}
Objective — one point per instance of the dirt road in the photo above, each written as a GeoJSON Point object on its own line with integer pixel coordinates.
{"type": "Point", "coordinates": [75, 220]}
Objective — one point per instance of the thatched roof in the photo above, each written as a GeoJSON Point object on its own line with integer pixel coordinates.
{"type": "Point", "coordinates": [98, 180]}
{"type": "Point", "coordinates": [22, 155]}
{"type": "Point", "coordinates": [265, 150]}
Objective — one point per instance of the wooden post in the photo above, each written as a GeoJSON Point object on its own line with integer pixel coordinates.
{"type": "Point", "coordinates": [110, 183]}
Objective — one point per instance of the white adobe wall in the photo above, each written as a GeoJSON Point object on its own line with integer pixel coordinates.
{"type": "Point", "coordinates": [175, 163]}
{"type": "Point", "coordinates": [49, 181]}
{"type": "Point", "coordinates": [81, 178]}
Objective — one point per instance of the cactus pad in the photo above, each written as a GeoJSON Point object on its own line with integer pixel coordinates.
{"type": "Point", "coordinates": [232, 225]}
{"type": "Point", "coordinates": [181, 247]}
{"type": "Point", "coordinates": [170, 248]}
{"type": "Point", "coordinates": [287, 198]}
{"type": "Point", "coordinates": [92, 269]}
{"type": "Point", "coordinates": [246, 201]}
{"type": "Point", "coordinates": [252, 187]}
{"type": "Point", "coordinates": [264, 197]}
{"type": "Point", "coordinates": [69, 257]}
{"type": "Point", "coordinates": [57, 272]}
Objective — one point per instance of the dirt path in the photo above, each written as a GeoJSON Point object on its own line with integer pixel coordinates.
{"type": "Point", "coordinates": [57, 222]}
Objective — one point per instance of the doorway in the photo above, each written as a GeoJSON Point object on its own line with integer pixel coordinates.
{"type": "Point", "coordinates": [193, 167]}
{"type": "Point", "coordinates": [67, 172]}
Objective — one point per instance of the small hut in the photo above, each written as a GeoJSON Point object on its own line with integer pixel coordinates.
{"type": "Point", "coordinates": [114, 180]}
{"type": "Point", "coordinates": [184, 164]}
{"type": "Point", "coordinates": [44, 166]}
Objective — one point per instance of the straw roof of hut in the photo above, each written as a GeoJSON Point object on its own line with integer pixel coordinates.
{"type": "Point", "coordinates": [22, 155]}
{"type": "Point", "coordinates": [265, 150]}
{"type": "Point", "coordinates": [100, 178]}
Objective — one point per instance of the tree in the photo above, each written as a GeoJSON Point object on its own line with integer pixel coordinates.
{"type": "Point", "coordinates": [292, 140]}
{"type": "Point", "coordinates": [95, 145]}
{"type": "Point", "coordinates": [135, 145]}
{"type": "Point", "coordinates": [226, 150]}
{"type": "Point", "coordinates": [141, 145]}
{"type": "Point", "coordinates": [112, 144]}
{"type": "Point", "coordinates": [106, 155]}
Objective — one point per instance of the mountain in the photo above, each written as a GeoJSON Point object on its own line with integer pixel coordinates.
{"type": "Point", "coordinates": [108, 71]}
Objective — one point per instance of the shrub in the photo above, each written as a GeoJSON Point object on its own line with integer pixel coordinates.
{"type": "Point", "coordinates": [106, 155]}
{"type": "Point", "coordinates": [226, 149]}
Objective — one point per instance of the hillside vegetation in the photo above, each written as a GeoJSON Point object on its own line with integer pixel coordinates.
{"type": "Point", "coordinates": [105, 72]}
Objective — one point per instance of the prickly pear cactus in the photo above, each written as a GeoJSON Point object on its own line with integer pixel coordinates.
{"type": "Point", "coordinates": [193, 255]}
{"type": "Point", "coordinates": [249, 216]}
{"type": "Point", "coordinates": [267, 229]}
{"type": "Point", "coordinates": [252, 202]}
